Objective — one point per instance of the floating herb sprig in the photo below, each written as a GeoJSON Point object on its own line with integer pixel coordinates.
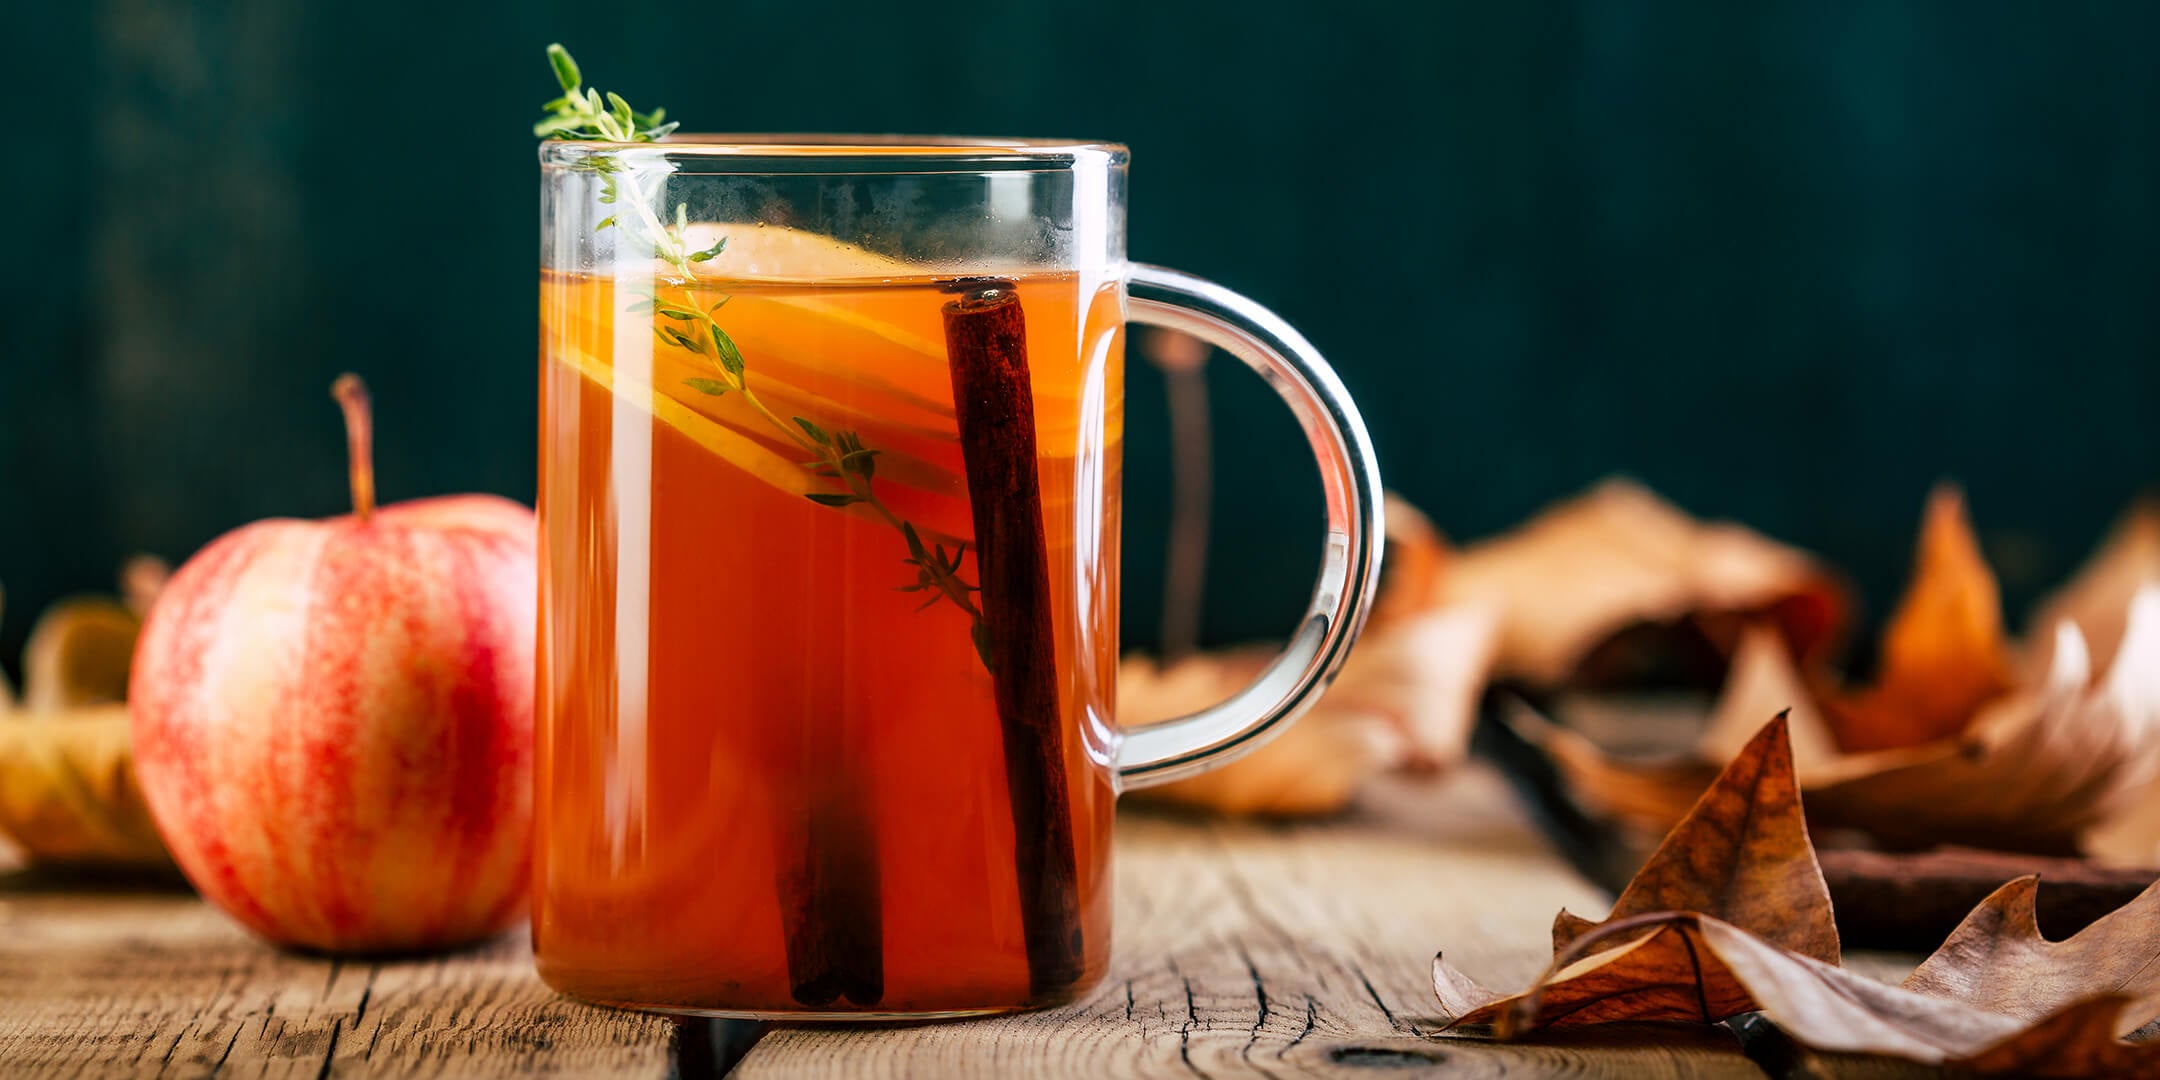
{"type": "Point", "coordinates": [586, 114]}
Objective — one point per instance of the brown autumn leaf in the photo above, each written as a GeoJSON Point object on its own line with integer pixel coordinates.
{"type": "Point", "coordinates": [1405, 699]}
{"type": "Point", "coordinates": [1587, 586]}
{"type": "Point", "coordinates": [1996, 1000]}
{"type": "Point", "coordinates": [68, 793]}
{"type": "Point", "coordinates": [1646, 796]}
{"type": "Point", "coordinates": [1686, 967]}
{"type": "Point", "coordinates": [1742, 854]}
{"type": "Point", "coordinates": [1944, 653]}
{"type": "Point", "coordinates": [2081, 1040]}
{"type": "Point", "coordinates": [2029, 767]}
{"type": "Point", "coordinates": [2035, 769]}
{"type": "Point", "coordinates": [67, 777]}
{"type": "Point", "coordinates": [78, 655]}
{"type": "Point", "coordinates": [1691, 968]}
{"type": "Point", "coordinates": [1997, 959]}
{"type": "Point", "coordinates": [2098, 600]}
{"type": "Point", "coordinates": [2097, 597]}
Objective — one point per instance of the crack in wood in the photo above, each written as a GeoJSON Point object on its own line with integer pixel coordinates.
{"type": "Point", "coordinates": [1259, 990]}
{"type": "Point", "coordinates": [1260, 997]}
{"type": "Point", "coordinates": [218, 1066]}
{"type": "Point", "coordinates": [330, 1051]}
{"type": "Point", "coordinates": [1312, 1016]}
{"type": "Point", "coordinates": [1185, 1028]}
{"type": "Point", "coordinates": [367, 989]}
{"type": "Point", "coordinates": [1375, 995]}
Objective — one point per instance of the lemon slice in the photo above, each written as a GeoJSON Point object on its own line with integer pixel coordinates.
{"type": "Point", "coordinates": [927, 502]}
{"type": "Point", "coordinates": [733, 447]}
{"type": "Point", "coordinates": [780, 253]}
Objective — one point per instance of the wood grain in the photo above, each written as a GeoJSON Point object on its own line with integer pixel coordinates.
{"type": "Point", "coordinates": [1281, 951]}
{"type": "Point", "coordinates": [1244, 950]}
{"type": "Point", "coordinates": [157, 984]}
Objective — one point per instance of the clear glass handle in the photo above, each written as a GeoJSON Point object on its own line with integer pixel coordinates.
{"type": "Point", "coordinates": [1350, 564]}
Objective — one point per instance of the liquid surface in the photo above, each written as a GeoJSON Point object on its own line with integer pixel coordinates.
{"type": "Point", "coordinates": [769, 779]}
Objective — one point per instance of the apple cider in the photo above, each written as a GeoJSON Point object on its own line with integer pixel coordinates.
{"type": "Point", "coordinates": [828, 638]}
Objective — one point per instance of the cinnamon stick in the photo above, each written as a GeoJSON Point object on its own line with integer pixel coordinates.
{"type": "Point", "coordinates": [994, 401]}
{"type": "Point", "coordinates": [825, 853]}
{"type": "Point", "coordinates": [831, 904]}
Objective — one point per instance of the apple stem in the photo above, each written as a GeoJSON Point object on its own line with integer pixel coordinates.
{"type": "Point", "coordinates": [351, 395]}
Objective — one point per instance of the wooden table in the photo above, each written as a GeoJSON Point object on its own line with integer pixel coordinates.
{"type": "Point", "coordinates": [1242, 950]}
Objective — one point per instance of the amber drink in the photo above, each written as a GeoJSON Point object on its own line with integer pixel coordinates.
{"type": "Point", "coordinates": [768, 727]}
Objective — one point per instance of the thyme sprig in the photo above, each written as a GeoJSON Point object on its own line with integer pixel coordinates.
{"type": "Point", "coordinates": [838, 456]}
{"type": "Point", "coordinates": [586, 114]}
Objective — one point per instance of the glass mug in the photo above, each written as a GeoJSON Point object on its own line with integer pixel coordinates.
{"type": "Point", "coordinates": [830, 460]}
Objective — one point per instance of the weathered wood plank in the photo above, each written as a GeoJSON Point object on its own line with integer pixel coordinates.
{"type": "Point", "coordinates": [1281, 951]}
{"type": "Point", "coordinates": [157, 984]}
{"type": "Point", "coordinates": [1244, 950]}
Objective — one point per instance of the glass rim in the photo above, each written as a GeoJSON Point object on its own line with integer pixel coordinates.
{"type": "Point", "coordinates": [798, 152]}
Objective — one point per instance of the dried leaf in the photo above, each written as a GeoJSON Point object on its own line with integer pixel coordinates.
{"type": "Point", "coordinates": [1648, 796]}
{"type": "Point", "coordinates": [1742, 855]}
{"type": "Point", "coordinates": [2034, 770]}
{"type": "Point", "coordinates": [1944, 654]}
{"type": "Point", "coordinates": [1406, 698]}
{"type": "Point", "coordinates": [2078, 1041]}
{"type": "Point", "coordinates": [1416, 556]}
{"type": "Point", "coordinates": [1666, 975]}
{"type": "Point", "coordinates": [1695, 969]}
{"type": "Point", "coordinates": [1997, 999]}
{"type": "Point", "coordinates": [1997, 960]}
{"type": "Point", "coordinates": [2097, 597]}
{"type": "Point", "coordinates": [1585, 571]}
{"type": "Point", "coordinates": [1316, 767]}
{"type": "Point", "coordinates": [67, 777]}
{"type": "Point", "coordinates": [68, 791]}
{"type": "Point", "coordinates": [78, 654]}
{"type": "Point", "coordinates": [1763, 682]}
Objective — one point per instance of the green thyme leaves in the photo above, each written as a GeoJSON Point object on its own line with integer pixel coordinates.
{"type": "Point", "coordinates": [586, 114]}
{"type": "Point", "coordinates": [566, 71]}
{"type": "Point", "coordinates": [709, 254]}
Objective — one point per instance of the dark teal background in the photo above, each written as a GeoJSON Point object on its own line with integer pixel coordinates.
{"type": "Point", "coordinates": [1788, 262]}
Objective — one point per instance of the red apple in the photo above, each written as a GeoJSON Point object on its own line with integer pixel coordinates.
{"type": "Point", "coordinates": [333, 719]}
